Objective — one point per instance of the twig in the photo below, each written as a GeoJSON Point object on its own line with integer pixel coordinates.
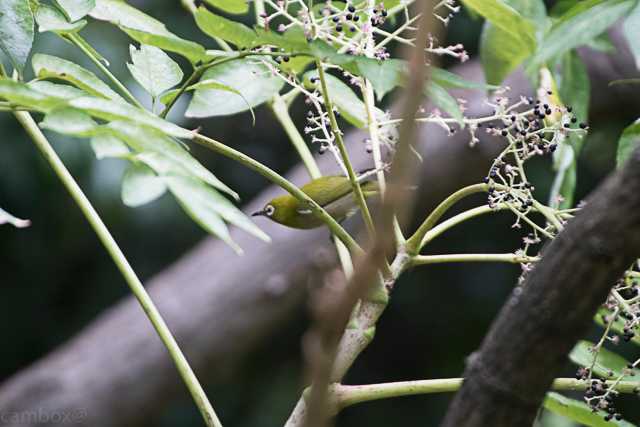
{"type": "Point", "coordinates": [337, 354]}
{"type": "Point", "coordinates": [109, 243]}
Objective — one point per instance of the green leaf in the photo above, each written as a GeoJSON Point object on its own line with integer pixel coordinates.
{"type": "Point", "coordinates": [16, 31]}
{"type": "Point", "coordinates": [444, 101]}
{"type": "Point", "coordinates": [506, 19]}
{"type": "Point", "coordinates": [254, 80]}
{"type": "Point", "coordinates": [201, 198]}
{"type": "Point", "coordinates": [168, 96]}
{"type": "Point", "coordinates": [578, 411]}
{"type": "Point", "coordinates": [350, 106]}
{"type": "Point", "coordinates": [500, 52]}
{"type": "Point", "coordinates": [168, 156]}
{"type": "Point", "coordinates": [69, 121]}
{"type": "Point", "coordinates": [140, 185]}
{"type": "Point", "coordinates": [154, 69]}
{"type": "Point", "coordinates": [56, 90]}
{"type": "Point", "coordinates": [293, 40]}
{"type": "Point", "coordinates": [631, 30]}
{"type": "Point", "coordinates": [574, 88]}
{"type": "Point", "coordinates": [628, 142]}
{"type": "Point", "coordinates": [226, 29]}
{"type": "Point", "coordinates": [606, 363]}
{"type": "Point", "coordinates": [169, 42]}
{"type": "Point", "coordinates": [114, 110]}
{"type": "Point", "coordinates": [561, 7]}
{"type": "Point", "coordinates": [108, 146]}
{"type": "Point", "coordinates": [47, 66]}
{"type": "Point", "coordinates": [235, 7]}
{"type": "Point", "coordinates": [602, 43]}
{"type": "Point", "coordinates": [76, 9]}
{"type": "Point", "coordinates": [384, 75]}
{"type": "Point", "coordinates": [215, 85]}
{"type": "Point", "coordinates": [51, 19]}
{"type": "Point", "coordinates": [201, 212]}
{"type": "Point", "coordinates": [145, 29]}
{"type": "Point", "coordinates": [447, 79]}
{"type": "Point", "coordinates": [21, 94]}
{"type": "Point", "coordinates": [7, 218]}
{"type": "Point", "coordinates": [578, 26]}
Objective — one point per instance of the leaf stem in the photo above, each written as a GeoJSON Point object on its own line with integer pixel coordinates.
{"type": "Point", "coordinates": [281, 181]}
{"type": "Point", "coordinates": [415, 242]}
{"type": "Point", "coordinates": [81, 44]}
{"type": "Point", "coordinates": [343, 151]}
{"type": "Point", "coordinates": [123, 265]}
{"type": "Point", "coordinates": [439, 259]}
{"type": "Point", "coordinates": [348, 395]}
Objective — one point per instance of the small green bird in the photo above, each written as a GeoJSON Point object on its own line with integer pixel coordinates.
{"type": "Point", "coordinates": [333, 193]}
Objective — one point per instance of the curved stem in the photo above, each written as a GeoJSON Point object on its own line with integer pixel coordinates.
{"type": "Point", "coordinates": [81, 44]}
{"type": "Point", "coordinates": [123, 265]}
{"type": "Point", "coordinates": [457, 219]}
{"type": "Point", "coordinates": [362, 203]}
{"type": "Point", "coordinates": [347, 395]}
{"type": "Point", "coordinates": [440, 259]}
{"type": "Point", "coordinates": [281, 181]}
{"type": "Point", "coordinates": [415, 242]}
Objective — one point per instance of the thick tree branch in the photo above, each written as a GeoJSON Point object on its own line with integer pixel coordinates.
{"type": "Point", "coordinates": [527, 345]}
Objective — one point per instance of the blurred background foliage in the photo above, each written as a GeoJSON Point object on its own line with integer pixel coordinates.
{"type": "Point", "coordinates": [55, 277]}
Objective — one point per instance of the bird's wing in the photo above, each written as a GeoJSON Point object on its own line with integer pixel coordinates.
{"type": "Point", "coordinates": [327, 189]}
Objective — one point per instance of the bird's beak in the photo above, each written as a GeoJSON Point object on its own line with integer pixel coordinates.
{"type": "Point", "coordinates": [259, 213]}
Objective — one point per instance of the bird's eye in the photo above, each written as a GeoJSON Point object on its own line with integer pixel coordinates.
{"type": "Point", "coordinates": [269, 210]}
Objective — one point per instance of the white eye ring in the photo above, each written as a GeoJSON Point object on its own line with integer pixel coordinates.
{"type": "Point", "coordinates": [269, 210]}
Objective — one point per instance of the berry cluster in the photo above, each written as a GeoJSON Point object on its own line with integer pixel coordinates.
{"type": "Point", "coordinates": [536, 131]}
{"type": "Point", "coordinates": [600, 397]}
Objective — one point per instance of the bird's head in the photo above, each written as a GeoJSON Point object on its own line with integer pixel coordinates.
{"type": "Point", "coordinates": [279, 209]}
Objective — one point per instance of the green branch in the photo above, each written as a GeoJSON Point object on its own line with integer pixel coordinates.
{"type": "Point", "coordinates": [348, 395]}
{"type": "Point", "coordinates": [440, 259]}
{"type": "Point", "coordinates": [123, 265]}
{"type": "Point", "coordinates": [82, 45]}
{"type": "Point", "coordinates": [357, 190]}
{"type": "Point", "coordinates": [415, 242]}
{"type": "Point", "coordinates": [459, 218]}
{"type": "Point", "coordinates": [281, 181]}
